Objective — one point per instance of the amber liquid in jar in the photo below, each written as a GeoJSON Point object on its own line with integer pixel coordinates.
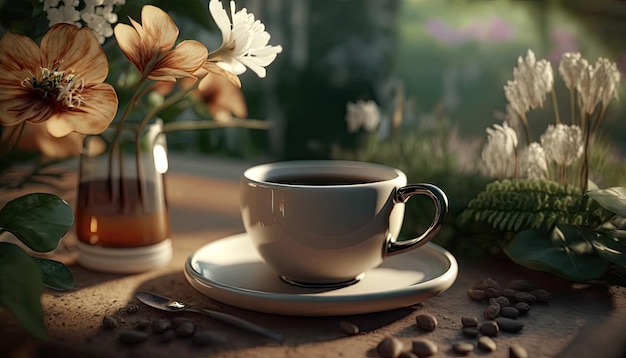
{"type": "Point", "coordinates": [121, 213]}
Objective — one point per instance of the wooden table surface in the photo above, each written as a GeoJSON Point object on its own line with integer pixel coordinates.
{"type": "Point", "coordinates": [203, 202]}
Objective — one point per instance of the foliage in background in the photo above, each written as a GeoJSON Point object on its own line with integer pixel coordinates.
{"type": "Point", "coordinates": [39, 221]}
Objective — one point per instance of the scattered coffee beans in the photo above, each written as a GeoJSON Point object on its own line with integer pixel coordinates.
{"type": "Point", "coordinates": [492, 311]}
{"type": "Point", "coordinates": [407, 354]}
{"type": "Point", "coordinates": [389, 347]}
{"type": "Point", "coordinates": [469, 321]}
{"type": "Point", "coordinates": [522, 307]}
{"type": "Point", "coordinates": [525, 297]}
{"type": "Point", "coordinates": [476, 295]}
{"type": "Point", "coordinates": [463, 348]}
{"type": "Point", "coordinates": [185, 329]}
{"type": "Point", "coordinates": [201, 338]}
{"type": "Point", "coordinates": [486, 344]}
{"type": "Point", "coordinates": [510, 312]}
{"type": "Point", "coordinates": [489, 329]}
{"type": "Point", "coordinates": [110, 322]}
{"type": "Point", "coordinates": [348, 328]}
{"type": "Point", "coordinates": [426, 322]}
{"type": "Point", "coordinates": [131, 337]}
{"type": "Point", "coordinates": [142, 324]}
{"type": "Point", "coordinates": [541, 295]}
{"type": "Point", "coordinates": [424, 347]}
{"type": "Point", "coordinates": [517, 351]}
{"type": "Point", "coordinates": [161, 325]}
{"type": "Point", "coordinates": [509, 325]}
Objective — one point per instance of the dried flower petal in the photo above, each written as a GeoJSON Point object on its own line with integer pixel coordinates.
{"type": "Point", "coordinates": [562, 144]}
{"type": "Point", "coordinates": [500, 151]}
{"type": "Point", "coordinates": [533, 163]}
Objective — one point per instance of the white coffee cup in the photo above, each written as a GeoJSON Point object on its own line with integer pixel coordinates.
{"type": "Point", "coordinates": [325, 223]}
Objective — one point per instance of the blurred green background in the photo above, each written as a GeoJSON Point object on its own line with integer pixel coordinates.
{"type": "Point", "coordinates": [449, 59]}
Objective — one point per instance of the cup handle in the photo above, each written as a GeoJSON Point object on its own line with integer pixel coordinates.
{"type": "Point", "coordinates": [440, 200]}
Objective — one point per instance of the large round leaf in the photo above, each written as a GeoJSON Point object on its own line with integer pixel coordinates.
{"type": "Point", "coordinates": [564, 251]}
{"type": "Point", "coordinates": [612, 249]}
{"type": "Point", "coordinates": [55, 274]}
{"type": "Point", "coordinates": [21, 289]}
{"type": "Point", "coordinates": [612, 199]}
{"type": "Point", "coordinates": [39, 220]}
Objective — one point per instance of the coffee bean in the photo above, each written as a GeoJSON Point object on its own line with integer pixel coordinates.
{"type": "Point", "coordinates": [110, 322]}
{"type": "Point", "coordinates": [201, 338]}
{"type": "Point", "coordinates": [487, 283]}
{"type": "Point", "coordinates": [502, 301]}
{"type": "Point", "coordinates": [467, 321]}
{"type": "Point", "coordinates": [476, 295]}
{"type": "Point", "coordinates": [470, 332]}
{"type": "Point", "coordinates": [142, 324]}
{"type": "Point", "coordinates": [541, 294]}
{"type": "Point", "coordinates": [509, 324]}
{"type": "Point", "coordinates": [407, 354]}
{"type": "Point", "coordinates": [424, 347]}
{"type": "Point", "coordinates": [492, 311]}
{"type": "Point", "coordinates": [167, 336]}
{"type": "Point", "coordinates": [177, 321]}
{"type": "Point", "coordinates": [522, 307]}
{"type": "Point", "coordinates": [389, 347]}
{"type": "Point", "coordinates": [185, 329]}
{"type": "Point", "coordinates": [462, 348]}
{"type": "Point", "coordinates": [486, 344]}
{"type": "Point", "coordinates": [517, 351]}
{"type": "Point", "coordinates": [509, 293]}
{"type": "Point", "coordinates": [426, 322]}
{"type": "Point", "coordinates": [131, 337]}
{"type": "Point", "coordinates": [510, 312]}
{"type": "Point", "coordinates": [525, 297]}
{"type": "Point", "coordinates": [348, 328]}
{"type": "Point", "coordinates": [521, 285]}
{"type": "Point", "coordinates": [161, 325]}
{"type": "Point", "coordinates": [489, 329]}
{"type": "Point", "coordinates": [491, 292]}
{"type": "Point", "coordinates": [132, 309]}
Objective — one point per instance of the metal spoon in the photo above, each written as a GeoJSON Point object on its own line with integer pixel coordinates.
{"type": "Point", "coordinates": [167, 304]}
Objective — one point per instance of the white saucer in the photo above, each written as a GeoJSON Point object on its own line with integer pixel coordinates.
{"type": "Point", "coordinates": [232, 272]}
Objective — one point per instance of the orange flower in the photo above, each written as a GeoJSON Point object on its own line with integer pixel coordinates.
{"type": "Point", "coordinates": [149, 46]}
{"type": "Point", "coordinates": [222, 97]}
{"type": "Point", "coordinates": [60, 83]}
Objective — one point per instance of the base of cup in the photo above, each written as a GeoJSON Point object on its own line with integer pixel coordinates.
{"type": "Point", "coordinates": [327, 285]}
{"type": "Point", "coordinates": [125, 260]}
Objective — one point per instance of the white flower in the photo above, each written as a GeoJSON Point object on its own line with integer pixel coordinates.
{"type": "Point", "coordinates": [500, 151]}
{"type": "Point", "coordinates": [562, 144]}
{"type": "Point", "coordinates": [244, 41]}
{"type": "Point", "coordinates": [598, 84]}
{"type": "Point", "coordinates": [533, 163]}
{"type": "Point", "coordinates": [362, 114]}
{"type": "Point", "coordinates": [98, 15]}
{"type": "Point", "coordinates": [571, 68]}
{"type": "Point", "coordinates": [532, 80]}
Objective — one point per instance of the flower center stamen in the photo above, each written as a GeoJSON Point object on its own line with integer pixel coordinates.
{"type": "Point", "coordinates": [64, 88]}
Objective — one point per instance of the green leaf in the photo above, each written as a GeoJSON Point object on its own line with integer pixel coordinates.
{"type": "Point", "coordinates": [39, 220]}
{"type": "Point", "coordinates": [21, 289]}
{"type": "Point", "coordinates": [611, 248]}
{"type": "Point", "coordinates": [612, 199]}
{"type": "Point", "coordinates": [55, 274]}
{"type": "Point", "coordinates": [565, 252]}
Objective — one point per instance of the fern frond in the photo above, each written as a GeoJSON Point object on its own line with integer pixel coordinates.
{"type": "Point", "coordinates": [519, 204]}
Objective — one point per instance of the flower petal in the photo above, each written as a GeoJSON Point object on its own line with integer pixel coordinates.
{"type": "Point", "coordinates": [18, 54]}
{"type": "Point", "coordinates": [160, 30]}
{"type": "Point", "coordinates": [75, 49]}
{"type": "Point", "coordinates": [214, 68]}
{"type": "Point", "coordinates": [18, 105]}
{"type": "Point", "coordinates": [93, 116]}
{"type": "Point", "coordinates": [130, 43]}
{"type": "Point", "coordinates": [220, 16]}
{"type": "Point", "coordinates": [183, 61]}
